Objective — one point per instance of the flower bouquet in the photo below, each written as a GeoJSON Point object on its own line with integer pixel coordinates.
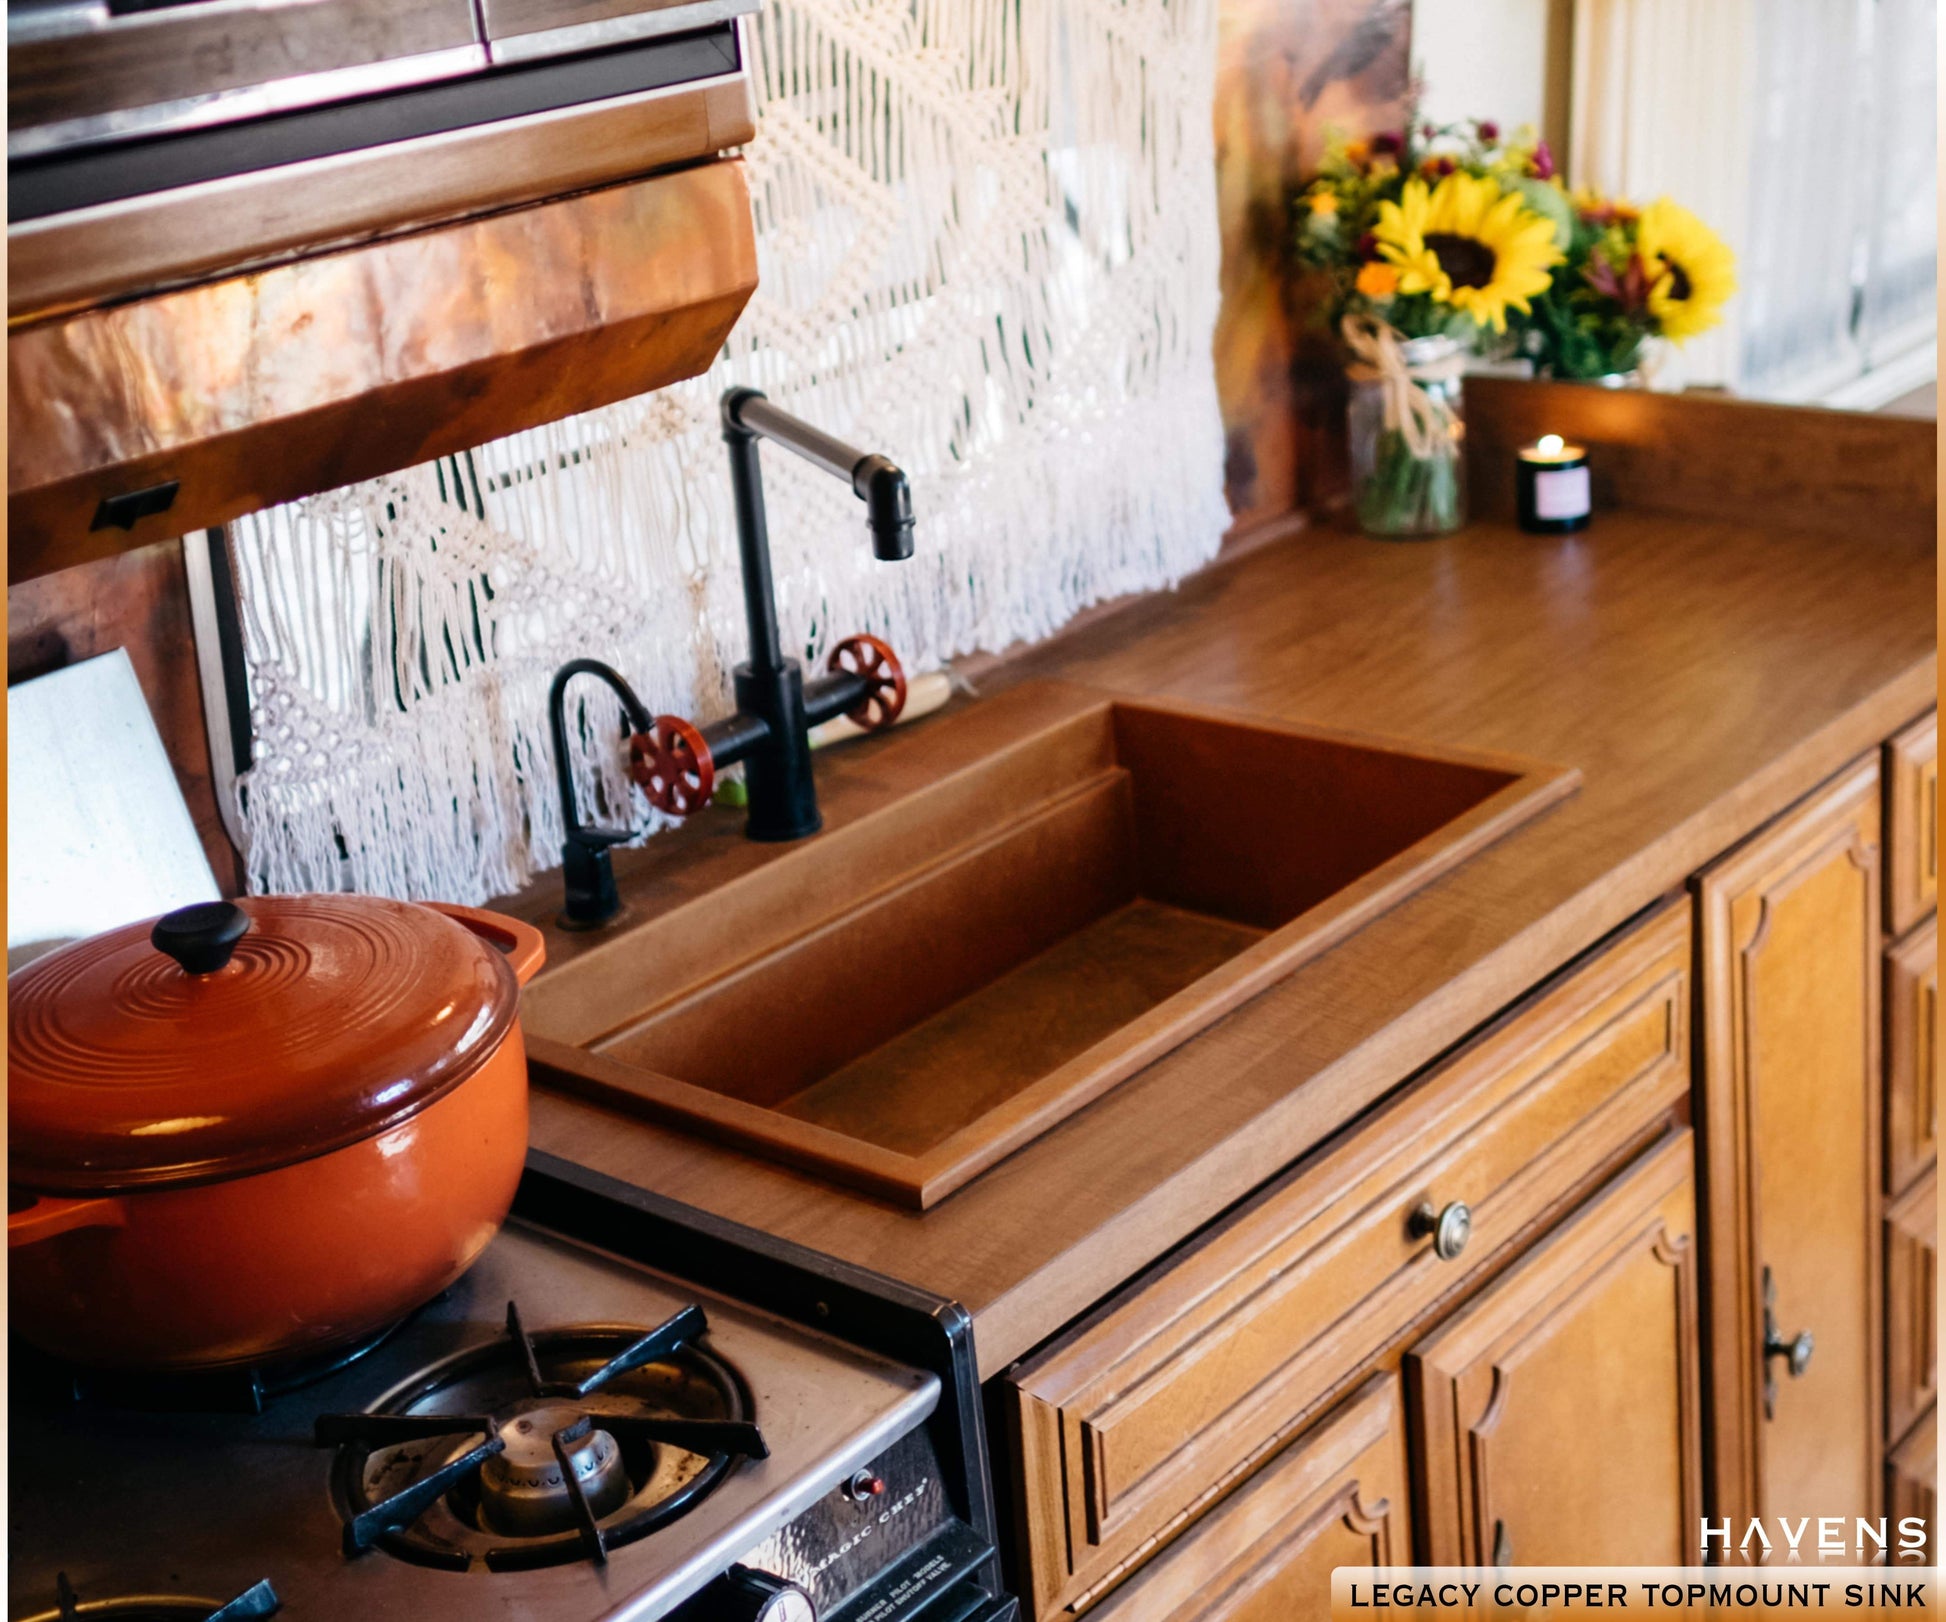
{"type": "Point", "coordinates": [1428, 239]}
{"type": "Point", "coordinates": [1631, 274]}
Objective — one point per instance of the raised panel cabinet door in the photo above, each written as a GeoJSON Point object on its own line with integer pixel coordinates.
{"type": "Point", "coordinates": [1911, 1056]}
{"type": "Point", "coordinates": [1911, 1317]}
{"type": "Point", "coordinates": [1912, 1481]}
{"type": "Point", "coordinates": [1788, 975]}
{"type": "Point", "coordinates": [1557, 1418]}
{"type": "Point", "coordinates": [1336, 1496]}
{"type": "Point", "coordinates": [1912, 823]}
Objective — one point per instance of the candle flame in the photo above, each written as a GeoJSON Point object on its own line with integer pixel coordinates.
{"type": "Point", "coordinates": [1550, 444]}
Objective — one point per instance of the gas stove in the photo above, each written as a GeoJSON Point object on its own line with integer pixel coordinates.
{"type": "Point", "coordinates": [626, 1410]}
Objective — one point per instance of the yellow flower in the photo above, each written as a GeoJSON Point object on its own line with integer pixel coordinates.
{"type": "Point", "coordinates": [1468, 243]}
{"type": "Point", "coordinates": [1377, 279]}
{"type": "Point", "coordinates": [1692, 271]}
{"type": "Point", "coordinates": [1324, 202]}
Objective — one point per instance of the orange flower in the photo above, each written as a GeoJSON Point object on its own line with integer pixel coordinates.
{"type": "Point", "coordinates": [1377, 279]}
{"type": "Point", "coordinates": [1358, 151]}
{"type": "Point", "coordinates": [1324, 202]}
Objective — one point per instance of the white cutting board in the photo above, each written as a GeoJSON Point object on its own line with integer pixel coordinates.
{"type": "Point", "coordinates": [97, 831]}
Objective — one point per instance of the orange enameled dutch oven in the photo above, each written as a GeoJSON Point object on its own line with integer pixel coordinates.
{"type": "Point", "coordinates": [260, 1129]}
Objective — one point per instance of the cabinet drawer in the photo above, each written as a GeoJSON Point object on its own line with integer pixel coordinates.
{"type": "Point", "coordinates": [1173, 1391]}
{"type": "Point", "coordinates": [1911, 1345]}
{"type": "Point", "coordinates": [1593, 1334]}
{"type": "Point", "coordinates": [1911, 1056]}
{"type": "Point", "coordinates": [1912, 824]}
{"type": "Point", "coordinates": [1337, 1496]}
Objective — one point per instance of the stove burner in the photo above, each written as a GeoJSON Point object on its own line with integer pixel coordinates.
{"type": "Point", "coordinates": [535, 1450]}
{"type": "Point", "coordinates": [524, 1488]}
{"type": "Point", "coordinates": [259, 1601]}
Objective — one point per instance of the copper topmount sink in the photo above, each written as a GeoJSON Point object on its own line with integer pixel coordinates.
{"type": "Point", "coordinates": [913, 994]}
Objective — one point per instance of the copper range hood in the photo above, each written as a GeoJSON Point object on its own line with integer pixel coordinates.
{"type": "Point", "coordinates": [259, 248]}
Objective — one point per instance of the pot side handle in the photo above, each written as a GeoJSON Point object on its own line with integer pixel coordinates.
{"type": "Point", "coordinates": [50, 1215]}
{"type": "Point", "coordinates": [524, 945]}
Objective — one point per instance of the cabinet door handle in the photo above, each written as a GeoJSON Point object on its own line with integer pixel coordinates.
{"type": "Point", "coordinates": [1503, 1545]}
{"type": "Point", "coordinates": [1796, 1351]}
{"type": "Point", "coordinates": [1449, 1229]}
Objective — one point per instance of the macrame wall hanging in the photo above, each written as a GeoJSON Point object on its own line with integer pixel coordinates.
{"type": "Point", "coordinates": [987, 246]}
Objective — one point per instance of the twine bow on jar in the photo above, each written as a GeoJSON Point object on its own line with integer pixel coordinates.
{"type": "Point", "coordinates": [1422, 418]}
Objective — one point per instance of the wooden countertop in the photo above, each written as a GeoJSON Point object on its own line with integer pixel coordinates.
{"type": "Point", "coordinates": [1702, 673]}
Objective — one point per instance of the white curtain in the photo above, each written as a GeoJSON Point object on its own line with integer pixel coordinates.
{"type": "Point", "coordinates": [1803, 130]}
{"type": "Point", "coordinates": [987, 247]}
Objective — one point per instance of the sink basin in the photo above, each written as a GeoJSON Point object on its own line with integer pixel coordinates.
{"type": "Point", "coordinates": [903, 1000]}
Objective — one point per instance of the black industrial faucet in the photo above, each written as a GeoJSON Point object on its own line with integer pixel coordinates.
{"type": "Point", "coordinates": [675, 761]}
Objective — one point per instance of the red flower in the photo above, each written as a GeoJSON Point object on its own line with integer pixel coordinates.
{"type": "Point", "coordinates": [1388, 141]}
{"type": "Point", "coordinates": [1543, 162]}
{"type": "Point", "coordinates": [1368, 246]}
{"type": "Point", "coordinates": [1489, 131]}
{"type": "Point", "coordinates": [1630, 288]}
{"type": "Point", "coordinates": [1439, 168]}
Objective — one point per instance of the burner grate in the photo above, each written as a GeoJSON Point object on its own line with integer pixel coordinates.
{"type": "Point", "coordinates": [580, 1441]}
{"type": "Point", "coordinates": [259, 1600]}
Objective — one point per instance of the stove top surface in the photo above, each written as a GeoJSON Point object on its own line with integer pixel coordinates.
{"type": "Point", "coordinates": [190, 1505]}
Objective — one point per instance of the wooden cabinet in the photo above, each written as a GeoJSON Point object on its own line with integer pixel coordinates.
{"type": "Point", "coordinates": [1557, 1418]}
{"type": "Point", "coordinates": [1912, 824]}
{"type": "Point", "coordinates": [1164, 1399]}
{"type": "Point", "coordinates": [1789, 1041]}
{"type": "Point", "coordinates": [1911, 1056]}
{"type": "Point", "coordinates": [1911, 1318]}
{"type": "Point", "coordinates": [1337, 1496]}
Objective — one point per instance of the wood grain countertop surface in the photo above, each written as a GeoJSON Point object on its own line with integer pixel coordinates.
{"type": "Point", "coordinates": [1701, 672]}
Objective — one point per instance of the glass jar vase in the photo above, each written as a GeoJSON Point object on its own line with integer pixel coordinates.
{"type": "Point", "coordinates": [1408, 463]}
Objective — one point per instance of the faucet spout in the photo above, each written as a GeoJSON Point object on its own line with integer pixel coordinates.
{"type": "Point", "coordinates": [875, 480]}
{"type": "Point", "coordinates": [888, 507]}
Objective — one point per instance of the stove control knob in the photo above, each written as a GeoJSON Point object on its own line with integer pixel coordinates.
{"type": "Point", "coordinates": [864, 1487]}
{"type": "Point", "coordinates": [756, 1596]}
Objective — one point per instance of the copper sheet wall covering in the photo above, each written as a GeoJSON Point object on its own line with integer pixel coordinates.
{"type": "Point", "coordinates": [313, 374]}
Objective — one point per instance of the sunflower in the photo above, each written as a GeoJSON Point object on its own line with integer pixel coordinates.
{"type": "Point", "coordinates": [1691, 270]}
{"type": "Point", "coordinates": [1469, 243]}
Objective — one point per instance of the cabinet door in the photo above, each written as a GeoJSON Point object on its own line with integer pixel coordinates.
{"type": "Point", "coordinates": [1911, 1315]}
{"type": "Point", "coordinates": [1558, 1416]}
{"type": "Point", "coordinates": [1788, 977]}
{"type": "Point", "coordinates": [1335, 1497]}
{"type": "Point", "coordinates": [1912, 1482]}
{"type": "Point", "coordinates": [1911, 1056]}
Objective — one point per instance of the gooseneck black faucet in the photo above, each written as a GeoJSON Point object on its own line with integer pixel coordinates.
{"type": "Point", "coordinates": [675, 761]}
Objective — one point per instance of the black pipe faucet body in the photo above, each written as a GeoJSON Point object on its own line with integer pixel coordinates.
{"type": "Point", "coordinates": [776, 707]}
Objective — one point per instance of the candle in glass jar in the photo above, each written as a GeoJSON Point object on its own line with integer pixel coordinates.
{"type": "Point", "coordinates": [1553, 486]}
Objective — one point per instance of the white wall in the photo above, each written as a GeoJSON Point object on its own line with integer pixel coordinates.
{"type": "Point", "coordinates": [1483, 59]}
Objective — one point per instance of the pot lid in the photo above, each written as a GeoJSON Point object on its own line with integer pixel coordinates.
{"type": "Point", "coordinates": [233, 1037]}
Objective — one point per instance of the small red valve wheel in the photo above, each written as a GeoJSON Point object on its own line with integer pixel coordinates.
{"type": "Point", "coordinates": [866, 656]}
{"type": "Point", "coordinates": [673, 764]}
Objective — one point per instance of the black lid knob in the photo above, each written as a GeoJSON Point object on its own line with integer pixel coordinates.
{"type": "Point", "coordinates": [203, 937]}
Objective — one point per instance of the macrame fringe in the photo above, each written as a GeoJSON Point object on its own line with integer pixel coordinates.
{"type": "Point", "coordinates": [987, 245]}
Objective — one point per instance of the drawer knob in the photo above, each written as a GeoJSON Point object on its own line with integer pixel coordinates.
{"type": "Point", "coordinates": [1450, 1228]}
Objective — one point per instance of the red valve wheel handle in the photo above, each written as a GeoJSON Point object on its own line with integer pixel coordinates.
{"type": "Point", "coordinates": [866, 656]}
{"type": "Point", "coordinates": [673, 764]}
